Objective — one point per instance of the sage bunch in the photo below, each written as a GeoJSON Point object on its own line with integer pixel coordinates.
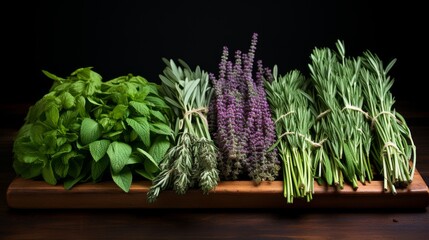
{"type": "Point", "coordinates": [192, 161]}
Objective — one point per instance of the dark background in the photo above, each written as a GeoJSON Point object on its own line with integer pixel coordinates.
{"type": "Point", "coordinates": [121, 37]}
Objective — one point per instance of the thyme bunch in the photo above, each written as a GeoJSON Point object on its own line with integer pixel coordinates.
{"type": "Point", "coordinates": [242, 125]}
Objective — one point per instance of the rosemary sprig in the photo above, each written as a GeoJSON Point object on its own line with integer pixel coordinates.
{"type": "Point", "coordinates": [193, 160]}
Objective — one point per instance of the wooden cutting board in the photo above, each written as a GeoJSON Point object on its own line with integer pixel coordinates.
{"type": "Point", "coordinates": [32, 194]}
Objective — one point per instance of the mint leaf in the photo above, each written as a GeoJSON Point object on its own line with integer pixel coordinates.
{"type": "Point", "coordinates": [60, 168]}
{"type": "Point", "coordinates": [98, 168]}
{"type": "Point", "coordinates": [158, 115]}
{"type": "Point", "coordinates": [48, 174]}
{"type": "Point", "coordinates": [52, 116]}
{"type": "Point", "coordinates": [75, 168]}
{"type": "Point", "coordinates": [98, 149]}
{"type": "Point", "coordinates": [161, 128]}
{"type": "Point", "coordinates": [158, 149]}
{"type": "Point", "coordinates": [141, 108]}
{"type": "Point", "coordinates": [123, 179]}
{"type": "Point", "coordinates": [119, 112]}
{"type": "Point", "coordinates": [67, 100]}
{"type": "Point", "coordinates": [118, 153]}
{"type": "Point", "coordinates": [152, 165]}
{"type": "Point", "coordinates": [145, 174]}
{"type": "Point", "coordinates": [141, 126]}
{"type": "Point", "coordinates": [90, 131]}
{"type": "Point", "coordinates": [156, 102]}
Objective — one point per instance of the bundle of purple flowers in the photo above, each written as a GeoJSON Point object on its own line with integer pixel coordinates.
{"type": "Point", "coordinates": [240, 118]}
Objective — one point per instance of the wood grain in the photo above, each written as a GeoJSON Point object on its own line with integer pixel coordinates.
{"type": "Point", "coordinates": [24, 194]}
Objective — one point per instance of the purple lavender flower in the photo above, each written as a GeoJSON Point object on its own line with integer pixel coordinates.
{"type": "Point", "coordinates": [244, 129]}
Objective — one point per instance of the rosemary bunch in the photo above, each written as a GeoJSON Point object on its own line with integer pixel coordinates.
{"type": "Point", "coordinates": [357, 135]}
{"type": "Point", "coordinates": [329, 127]}
{"type": "Point", "coordinates": [342, 118]}
{"type": "Point", "coordinates": [193, 160]}
{"type": "Point", "coordinates": [393, 148]}
{"type": "Point", "coordinates": [293, 120]}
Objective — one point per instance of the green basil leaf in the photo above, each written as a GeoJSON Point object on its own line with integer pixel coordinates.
{"type": "Point", "coordinates": [69, 183]}
{"type": "Point", "coordinates": [26, 170]}
{"type": "Point", "coordinates": [65, 148]}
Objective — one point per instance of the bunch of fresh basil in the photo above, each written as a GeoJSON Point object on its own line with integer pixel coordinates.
{"type": "Point", "coordinates": [85, 129]}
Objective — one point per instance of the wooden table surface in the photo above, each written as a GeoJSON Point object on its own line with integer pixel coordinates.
{"type": "Point", "coordinates": [213, 223]}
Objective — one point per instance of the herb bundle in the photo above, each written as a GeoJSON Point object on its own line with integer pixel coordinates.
{"type": "Point", "coordinates": [393, 150]}
{"type": "Point", "coordinates": [339, 91]}
{"type": "Point", "coordinates": [329, 128]}
{"type": "Point", "coordinates": [241, 124]}
{"type": "Point", "coordinates": [294, 120]}
{"type": "Point", "coordinates": [193, 158]}
{"type": "Point", "coordinates": [84, 128]}
{"type": "Point", "coordinates": [337, 126]}
{"type": "Point", "coordinates": [358, 121]}
{"type": "Point", "coordinates": [357, 136]}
